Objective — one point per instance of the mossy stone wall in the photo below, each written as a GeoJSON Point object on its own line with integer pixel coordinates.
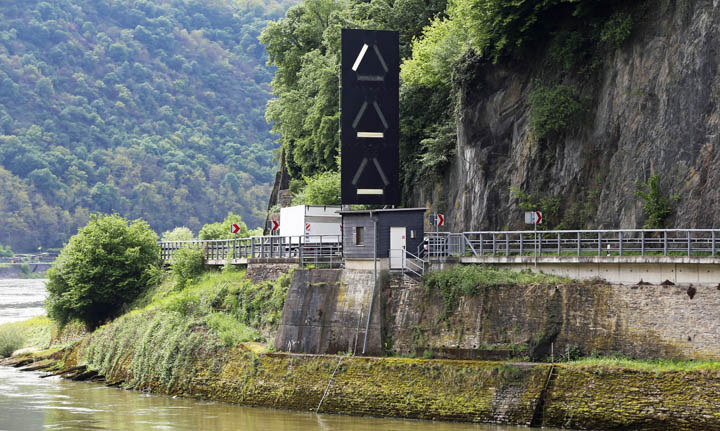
{"type": "Point", "coordinates": [616, 398]}
{"type": "Point", "coordinates": [580, 397]}
{"type": "Point", "coordinates": [642, 321]}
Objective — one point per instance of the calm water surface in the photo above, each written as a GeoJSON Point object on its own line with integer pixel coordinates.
{"type": "Point", "coordinates": [28, 402]}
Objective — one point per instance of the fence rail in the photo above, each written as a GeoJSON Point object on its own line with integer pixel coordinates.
{"type": "Point", "coordinates": [622, 242]}
{"type": "Point", "coordinates": [326, 250]}
{"type": "Point", "coordinates": [318, 250]}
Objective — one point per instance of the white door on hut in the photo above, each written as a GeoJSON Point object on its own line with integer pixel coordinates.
{"type": "Point", "coordinates": [397, 247]}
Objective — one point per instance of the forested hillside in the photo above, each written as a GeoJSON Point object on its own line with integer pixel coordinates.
{"type": "Point", "coordinates": [600, 113]}
{"type": "Point", "coordinates": [151, 109]}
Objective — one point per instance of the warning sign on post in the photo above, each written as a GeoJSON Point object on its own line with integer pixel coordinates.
{"type": "Point", "coordinates": [533, 217]}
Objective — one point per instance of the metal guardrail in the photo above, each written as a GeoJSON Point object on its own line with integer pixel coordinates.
{"type": "Point", "coordinates": [608, 243]}
{"type": "Point", "coordinates": [326, 250]}
{"type": "Point", "coordinates": [409, 263]}
{"type": "Point", "coordinates": [318, 250]}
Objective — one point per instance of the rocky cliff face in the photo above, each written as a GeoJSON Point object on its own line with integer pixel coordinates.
{"type": "Point", "coordinates": [654, 110]}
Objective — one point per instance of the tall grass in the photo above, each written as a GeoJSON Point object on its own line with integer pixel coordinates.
{"type": "Point", "coordinates": [33, 333]}
{"type": "Point", "coordinates": [171, 326]}
{"type": "Point", "coordinates": [10, 340]}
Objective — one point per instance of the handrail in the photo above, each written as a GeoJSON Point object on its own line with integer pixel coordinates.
{"type": "Point", "coordinates": [607, 243]}
{"type": "Point", "coordinates": [324, 250]}
{"type": "Point", "coordinates": [319, 250]}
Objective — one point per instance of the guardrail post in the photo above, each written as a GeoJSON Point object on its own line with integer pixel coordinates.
{"type": "Point", "coordinates": [252, 248]}
{"type": "Point", "coordinates": [579, 243]}
{"type": "Point", "coordinates": [559, 246]}
{"type": "Point", "coordinates": [713, 243]}
{"type": "Point", "coordinates": [688, 235]}
{"type": "Point", "coordinates": [507, 244]}
{"type": "Point", "coordinates": [481, 245]}
{"type": "Point", "coordinates": [300, 253]}
{"type": "Point", "coordinates": [642, 243]}
{"type": "Point", "coordinates": [494, 244]}
{"type": "Point", "coordinates": [665, 248]}
{"type": "Point", "coordinates": [540, 240]}
{"type": "Point", "coordinates": [521, 244]}
{"type": "Point", "coordinates": [620, 237]}
{"type": "Point", "coordinates": [599, 244]}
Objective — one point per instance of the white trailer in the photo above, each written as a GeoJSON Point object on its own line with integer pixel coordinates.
{"type": "Point", "coordinates": [314, 223]}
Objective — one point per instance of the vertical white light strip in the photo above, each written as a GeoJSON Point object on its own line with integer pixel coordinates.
{"type": "Point", "coordinates": [360, 57]}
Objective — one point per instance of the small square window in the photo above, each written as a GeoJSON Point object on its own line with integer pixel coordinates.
{"type": "Point", "coordinates": [359, 235]}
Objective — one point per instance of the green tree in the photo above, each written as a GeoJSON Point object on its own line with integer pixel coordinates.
{"type": "Point", "coordinates": [223, 229]}
{"type": "Point", "coordinates": [187, 264]}
{"type": "Point", "coordinates": [181, 233]}
{"type": "Point", "coordinates": [104, 267]}
{"type": "Point", "coordinates": [6, 251]}
{"type": "Point", "coordinates": [320, 189]}
{"type": "Point", "coordinates": [657, 205]}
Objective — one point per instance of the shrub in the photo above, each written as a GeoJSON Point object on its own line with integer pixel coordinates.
{"type": "Point", "coordinates": [105, 266]}
{"type": "Point", "coordinates": [222, 230]}
{"type": "Point", "coordinates": [6, 251]}
{"type": "Point", "coordinates": [439, 149]}
{"type": "Point", "coordinates": [617, 29]}
{"type": "Point", "coordinates": [320, 189]}
{"type": "Point", "coordinates": [553, 110]}
{"type": "Point", "coordinates": [10, 341]}
{"type": "Point", "coordinates": [230, 330]}
{"type": "Point", "coordinates": [187, 264]}
{"type": "Point", "coordinates": [178, 234]}
{"type": "Point", "coordinates": [657, 206]}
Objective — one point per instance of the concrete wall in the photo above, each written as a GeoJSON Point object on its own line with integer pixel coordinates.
{"type": "Point", "coordinates": [617, 270]}
{"type": "Point", "coordinates": [525, 321]}
{"type": "Point", "coordinates": [326, 312]}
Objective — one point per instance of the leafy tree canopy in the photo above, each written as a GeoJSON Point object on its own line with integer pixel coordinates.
{"type": "Point", "coordinates": [178, 234]}
{"type": "Point", "coordinates": [321, 189]}
{"type": "Point", "coordinates": [151, 109]}
{"type": "Point", "coordinates": [104, 267]}
{"type": "Point", "coordinates": [222, 230]}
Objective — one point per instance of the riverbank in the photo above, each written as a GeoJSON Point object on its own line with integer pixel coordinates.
{"type": "Point", "coordinates": [23, 270]}
{"type": "Point", "coordinates": [210, 340]}
{"type": "Point", "coordinates": [609, 395]}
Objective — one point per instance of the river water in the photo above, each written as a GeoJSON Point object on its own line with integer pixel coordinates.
{"type": "Point", "coordinates": [29, 402]}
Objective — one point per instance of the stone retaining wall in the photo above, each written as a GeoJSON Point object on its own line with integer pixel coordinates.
{"type": "Point", "coordinates": [641, 321]}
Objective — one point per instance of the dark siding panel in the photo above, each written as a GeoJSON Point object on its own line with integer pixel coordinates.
{"type": "Point", "coordinates": [350, 250]}
{"type": "Point", "coordinates": [412, 220]}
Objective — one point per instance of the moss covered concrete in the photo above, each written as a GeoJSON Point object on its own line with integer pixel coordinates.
{"type": "Point", "coordinates": [577, 396]}
{"type": "Point", "coordinates": [598, 397]}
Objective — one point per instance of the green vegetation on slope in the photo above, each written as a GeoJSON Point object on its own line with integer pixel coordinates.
{"type": "Point", "coordinates": [170, 327]}
{"type": "Point", "coordinates": [148, 109]}
{"type": "Point", "coordinates": [305, 47]}
{"type": "Point", "coordinates": [441, 44]}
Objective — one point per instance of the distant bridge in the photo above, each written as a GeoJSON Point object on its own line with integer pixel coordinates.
{"type": "Point", "coordinates": [623, 255]}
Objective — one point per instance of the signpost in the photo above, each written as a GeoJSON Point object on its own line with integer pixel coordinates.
{"type": "Point", "coordinates": [534, 218]}
{"type": "Point", "coordinates": [369, 117]}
